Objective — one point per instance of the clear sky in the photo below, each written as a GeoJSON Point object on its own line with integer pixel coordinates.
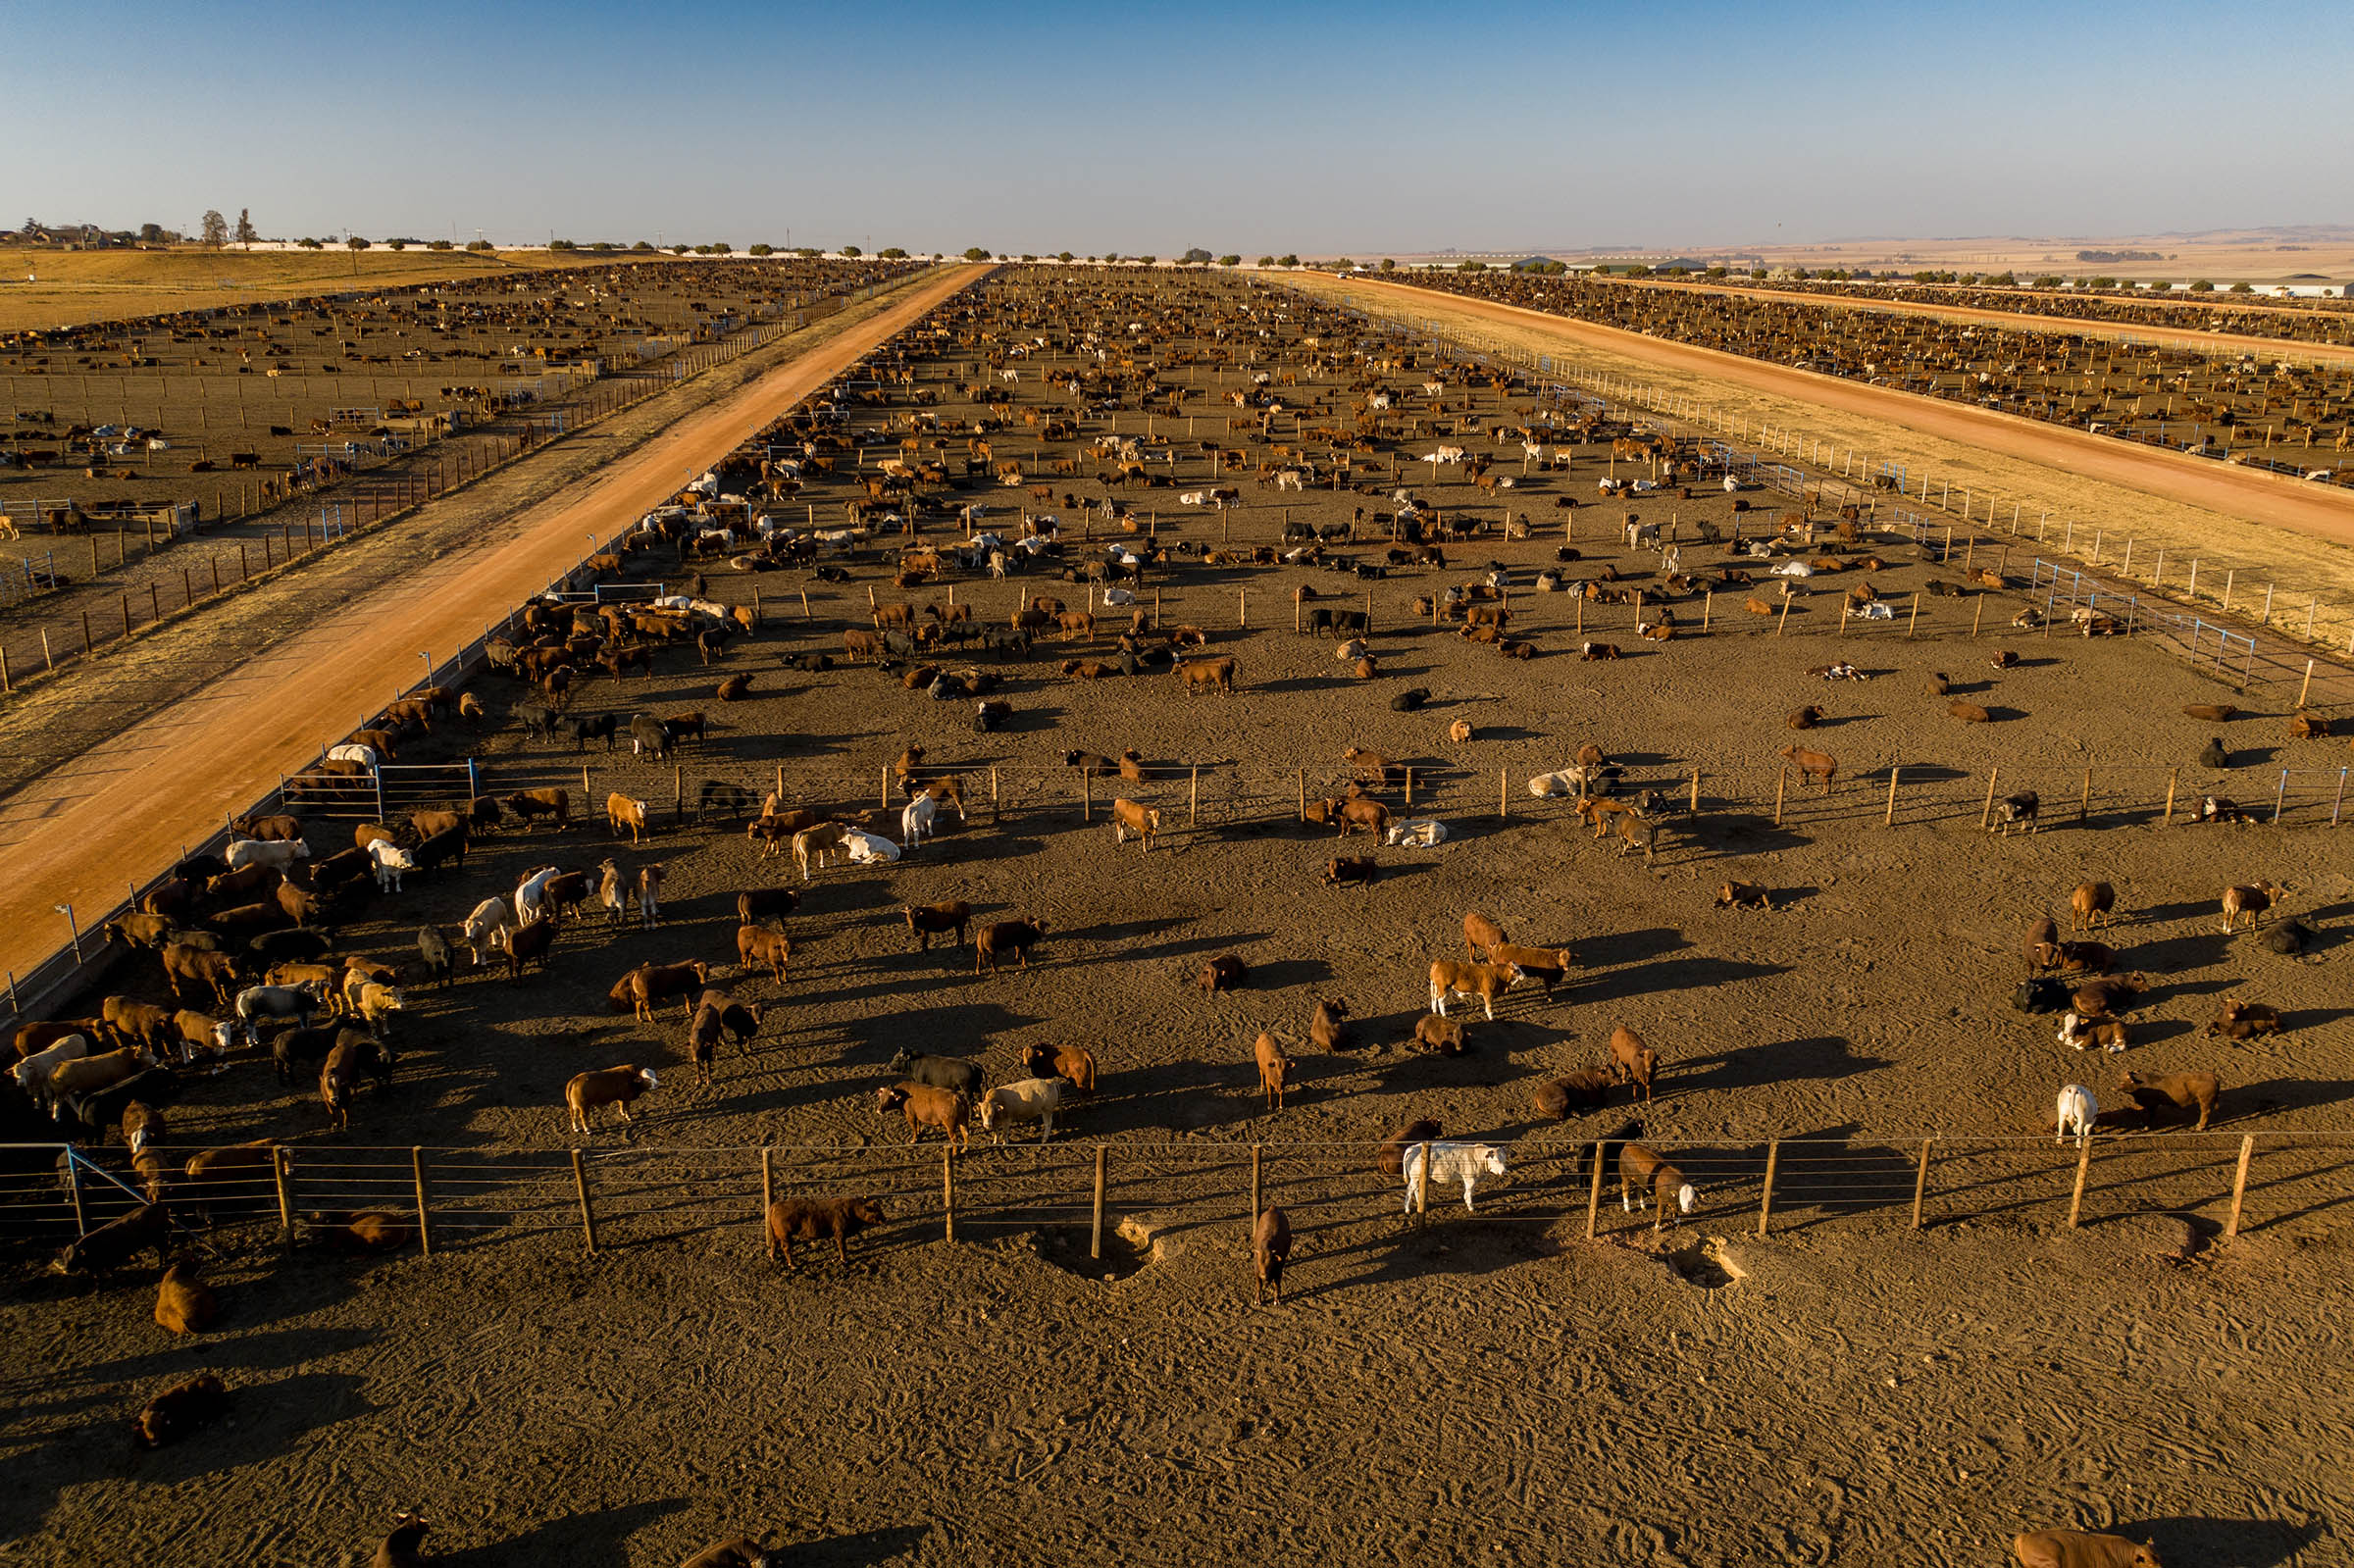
{"type": "Point", "coordinates": [1369, 127]}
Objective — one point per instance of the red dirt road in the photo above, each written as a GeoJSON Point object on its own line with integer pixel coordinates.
{"type": "Point", "coordinates": [172, 781]}
{"type": "Point", "coordinates": [2323, 513]}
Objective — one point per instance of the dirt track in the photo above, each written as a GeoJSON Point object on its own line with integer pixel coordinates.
{"type": "Point", "coordinates": [2234, 492]}
{"type": "Point", "coordinates": [227, 742]}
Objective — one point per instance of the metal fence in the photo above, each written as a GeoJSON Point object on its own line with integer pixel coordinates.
{"type": "Point", "coordinates": [619, 1193]}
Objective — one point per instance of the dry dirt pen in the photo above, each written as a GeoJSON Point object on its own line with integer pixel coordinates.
{"type": "Point", "coordinates": [1831, 1037]}
{"type": "Point", "coordinates": [1848, 1039]}
{"type": "Point", "coordinates": [286, 425]}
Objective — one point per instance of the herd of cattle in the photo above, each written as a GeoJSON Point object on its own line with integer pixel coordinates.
{"type": "Point", "coordinates": [2284, 411]}
{"type": "Point", "coordinates": [245, 942]}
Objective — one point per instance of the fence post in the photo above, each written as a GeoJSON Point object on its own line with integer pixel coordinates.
{"type": "Point", "coordinates": [2084, 800]}
{"type": "Point", "coordinates": [580, 1189]}
{"type": "Point", "coordinates": [1888, 818]}
{"type": "Point", "coordinates": [1986, 813]}
{"type": "Point", "coordinates": [425, 1232]}
{"type": "Point", "coordinates": [1594, 1191]}
{"type": "Point", "coordinates": [768, 1180]}
{"type": "Point", "coordinates": [282, 1166]}
{"type": "Point", "coordinates": [1193, 798]}
{"type": "Point", "coordinates": [1783, 619]}
{"type": "Point", "coordinates": [2172, 773]}
{"type": "Point", "coordinates": [1300, 778]}
{"type": "Point", "coordinates": [1094, 1245]}
{"type": "Point", "coordinates": [1503, 794]}
{"type": "Point", "coordinates": [2076, 1201]}
{"type": "Point", "coordinates": [1423, 1186]}
{"type": "Point", "coordinates": [2280, 797]}
{"type": "Point", "coordinates": [81, 1224]}
{"type": "Point", "coordinates": [1257, 1183]}
{"type": "Point", "coordinates": [1975, 613]}
{"type": "Point", "coordinates": [948, 1188]}
{"type": "Point", "coordinates": [1781, 781]}
{"type": "Point", "coordinates": [1920, 1181]}
{"type": "Point", "coordinates": [1774, 1158]}
{"type": "Point", "coordinates": [2239, 1183]}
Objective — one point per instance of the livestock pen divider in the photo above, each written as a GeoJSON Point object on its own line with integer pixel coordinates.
{"type": "Point", "coordinates": [618, 1195]}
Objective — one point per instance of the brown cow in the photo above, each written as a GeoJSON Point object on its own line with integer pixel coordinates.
{"type": "Point", "coordinates": [763, 948]}
{"type": "Point", "coordinates": [1814, 765]}
{"type": "Point", "coordinates": [1274, 1069]}
{"type": "Point", "coordinates": [611, 1085]}
{"type": "Point", "coordinates": [2071, 1549]}
{"type": "Point", "coordinates": [1207, 675]}
{"type": "Point", "coordinates": [816, 1219]}
{"type": "Point", "coordinates": [1127, 817]}
{"type": "Point", "coordinates": [1632, 1061]}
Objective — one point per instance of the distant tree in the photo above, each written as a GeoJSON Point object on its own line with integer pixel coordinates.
{"type": "Point", "coordinates": [1266, 261]}
{"type": "Point", "coordinates": [2003, 280]}
{"type": "Point", "coordinates": [1388, 265]}
{"type": "Point", "coordinates": [891, 253]}
{"type": "Point", "coordinates": [562, 244]}
{"type": "Point", "coordinates": [852, 251]}
{"type": "Point", "coordinates": [720, 247]}
{"type": "Point", "coordinates": [308, 243]}
{"type": "Point", "coordinates": [1759, 273]}
{"type": "Point", "coordinates": [247, 233]}
{"type": "Point", "coordinates": [214, 228]}
{"type": "Point", "coordinates": [149, 233]}
{"type": "Point", "coordinates": [1111, 255]}
{"type": "Point", "coordinates": [2202, 286]}
{"type": "Point", "coordinates": [2158, 285]}
{"type": "Point", "coordinates": [974, 253]}
{"type": "Point", "coordinates": [440, 244]}
{"type": "Point", "coordinates": [643, 245]}
{"type": "Point", "coordinates": [1029, 258]}
{"type": "Point", "coordinates": [1062, 256]}
{"type": "Point", "coordinates": [681, 249]}
{"type": "Point", "coordinates": [32, 227]}
{"type": "Point", "coordinates": [764, 250]}
{"type": "Point", "coordinates": [1148, 260]}
{"type": "Point", "coordinates": [807, 252]}
{"type": "Point", "coordinates": [2243, 288]}
{"type": "Point", "coordinates": [603, 246]}
{"type": "Point", "coordinates": [398, 245]}
{"type": "Point", "coordinates": [1230, 261]}
{"type": "Point", "coordinates": [1717, 272]}
{"type": "Point", "coordinates": [1344, 265]}
{"type": "Point", "coordinates": [2050, 281]}
{"type": "Point", "coordinates": [1287, 261]}
{"type": "Point", "coordinates": [1471, 267]}
{"type": "Point", "coordinates": [1799, 273]}
{"type": "Point", "coordinates": [356, 242]}
{"type": "Point", "coordinates": [479, 245]}
{"type": "Point", "coordinates": [1195, 256]}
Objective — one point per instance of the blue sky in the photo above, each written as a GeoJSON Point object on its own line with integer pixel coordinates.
{"type": "Point", "coordinates": [1368, 128]}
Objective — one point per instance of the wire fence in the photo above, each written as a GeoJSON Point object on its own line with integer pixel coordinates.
{"type": "Point", "coordinates": [617, 1194]}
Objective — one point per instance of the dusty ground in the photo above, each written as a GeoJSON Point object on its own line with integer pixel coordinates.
{"type": "Point", "coordinates": [2268, 530]}
{"type": "Point", "coordinates": [1499, 1390]}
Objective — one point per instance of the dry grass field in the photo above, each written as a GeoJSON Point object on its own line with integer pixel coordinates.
{"type": "Point", "coordinates": [1490, 1388]}
{"type": "Point", "coordinates": [68, 287]}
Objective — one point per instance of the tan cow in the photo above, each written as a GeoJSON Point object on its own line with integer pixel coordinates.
{"type": "Point", "coordinates": [1207, 675]}
{"type": "Point", "coordinates": [1487, 982]}
{"type": "Point", "coordinates": [1127, 817]}
{"type": "Point", "coordinates": [623, 812]}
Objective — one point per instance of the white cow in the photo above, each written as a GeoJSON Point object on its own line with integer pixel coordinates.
{"type": "Point", "coordinates": [866, 849]}
{"type": "Point", "coordinates": [364, 755]}
{"type": "Point", "coordinates": [1423, 833]}
{"type": "Point", "coordinates": [1031, 1099]}
{"type": "Point", "coordinates": [1447, 454]}
{"type": "Point", "coordinates": [915, 822]}
{"type": "Point", "coordinates": [491, 921]}
{"type": "Point", "coordinates": [2078, 1110]}
{"type": "Point", "coordinates": [1451, 1162]}
{"type": "Point", "coordinates": [1193, 498]}
{"type": "Point", "coordinates": [1792, 568]}
{"type": "Point", "coordinates": [32, 1072]}
{"type": "Point", "coordinates": [276, 853]}
{"type": "Point", "coordinates": [530, 893]}
{"type": "Point", "coordinates": [390, 861]}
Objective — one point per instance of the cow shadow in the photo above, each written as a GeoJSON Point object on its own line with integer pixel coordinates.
{"type": "Point", "coordinates": [1821, 1058]}
{"type": "Point", "coordinates": [596, 1540]}
{"type": "Point", "coordinates": [271, 1419]}
{"type": "Point", "coordinates": [1676, 975]}
{"type": "Point", "coordinates": [2284, 1093]}
{"type": "Point", "coordinates": [2248, 1543]}
{"type": "Point", "coordinates": [889, 1544]}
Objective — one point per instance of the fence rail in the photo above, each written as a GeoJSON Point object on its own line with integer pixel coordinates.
{"type": "Point", "coordinates": [2233, 1182]}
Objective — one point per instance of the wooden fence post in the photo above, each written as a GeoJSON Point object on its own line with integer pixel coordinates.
{"type": "Point", "coordinates": [425, 1226]}
{"type": "Point", "coordinates": [1423, 1186]}
{"type": "Point", "coordinates": [1095, 1247]}
{"type": "Point", "coordinates": [282, 1166]}
{"type": "Point", "coordinates": [2076, 1201]}
{"type": "Point", "coordinates": [1300, 778]}
{"type": "Point", "coordinates": [948, 1188]}
{"type": "Point", "coordinates": [1975, 613]}
{"type": "Point", "coordinates": [1410, 786]}
{"type": "Point", "coordinates": [1913, 624]}
{"type": "Point", "coordinates": [1783, 619]}
{"type": "Point", "coordinates": [1193, 797]}
{"type": "Point", "coordinates": [1773, 1159]}
{"type": "Point", "coordinates": [580, 1190]}
{"type": "Point", "coordinates": [1987, 812]}
{"type": "Point", "coordinates": [1503, 794]}
{"type": "Point", "coordinates": [2084, 800]}
{"type": "Point", "coordinates": [2240, 1184]}
{"type": "Point", "coordinates": [1257, 1183]}
{"type": "Point", "coordinates": [1087, 795]}
{"type": "Point", "coordinates": [1781, 783]}
{"type": "Point", "coordinates": [1888, 818]}
{"type": "Point", "coordinates": [2172, 773]}
{"type": "Point", "coordinates": [1594, 1192]}
{"type": "Point", "coordinates": [1920, 1181]}
{"type": "Point", "coordinates": [1694, 803]}
{"type": "Point", "coordinates": [993, 811]}
{"type": "Point", "coordinates": [768, 1180]}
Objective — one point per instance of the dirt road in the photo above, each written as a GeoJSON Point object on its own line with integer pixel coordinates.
{"type": "Point", "coordinates": [171, 780]}
{"type": "Point", "coordinates": [2249, 493]}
